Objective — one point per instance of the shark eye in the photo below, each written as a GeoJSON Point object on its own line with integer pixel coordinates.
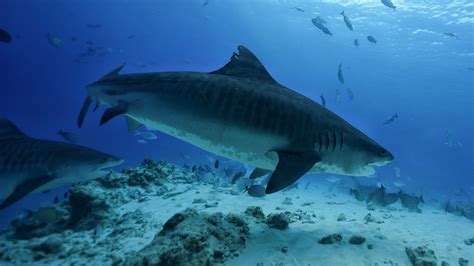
{"type": "Point", "coordinates": [383, 152]}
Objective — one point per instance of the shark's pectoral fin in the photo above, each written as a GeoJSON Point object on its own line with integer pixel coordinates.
{"type": "Point", "coordinates": [113, 112]}
{"type": "Point", "coordinates": [25, 188]}
{"type": "Point", "coordinates": [132, 124]}
{"type": "Point", "coordinates": [290, 167]}
{"type": "Point", "coordinates": [258, 172]}
{"type": "Point", "coordinates": [82, 114]}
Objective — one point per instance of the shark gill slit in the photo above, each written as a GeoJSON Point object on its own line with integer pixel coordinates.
{"type": "Point", "coordinates": [335, 141]}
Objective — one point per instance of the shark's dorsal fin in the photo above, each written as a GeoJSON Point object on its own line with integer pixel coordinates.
{"type": "Point", "coordinates": [8, 130]}
{"type": "Point", "coordinates": [245, 64]}
{"type": "Point", "coordinates": [114, 73]}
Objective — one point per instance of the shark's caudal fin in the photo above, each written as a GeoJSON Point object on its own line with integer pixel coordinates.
{"type": "Point", "coordinates": [245, 65]}
{"type": "Point", "coordinates": [8, 130]}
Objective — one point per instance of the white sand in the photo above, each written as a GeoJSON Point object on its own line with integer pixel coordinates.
{"type": "Point", "coordinates": [443, 233]}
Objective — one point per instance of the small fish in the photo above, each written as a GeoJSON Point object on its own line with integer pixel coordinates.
{"type": "Point", "coordinates": [323, 101]}
{"type": "Point", "coordinates": [356, 42]}
{"type": "Point", "coordinates": [131, 36]}
{"type": "Point", "coordinates": [399, 184]}
{"type": "Point", "coordinates": [142, 141]}
{"type": "Point", "coordinates": [5, 36]}
{"type": "Point", "coordinates": [73, 39]}
{"type": "Point", "coordinates": [338, 97]}
{"type": "Point", "coordinates": [54, 41]}
{"type": "Point", "coordinates": [389, 119]}
{"type": "Point", "coordinates": [340, 77]}
{"type": "Point", "coordinates": [49, 215]}
{"type": "Point", "coordinates": [371, 39]}
{"type": "Point", "coordinates": [347, 21]}
{"type": "Point", "coordinates": [388, 3]}
{"type": "Point", "coordinates": [145, 135]}
{"type": "Point", "coordinates": [333, 179]}
{"type": "Point", "coordinates": [350, 94]}
{"type": "Point", "coordinates": [452, 35]}
{"type": "Point", "coordinates": [299, 9]}
{"type": "Point", "coordinates": [93, 25]}
{"type": "Point", "coordinates": [205, 3]}
{"type": "Point", "coordinates": [397, 171]}
{"type": "Point", "coordinates": [256, 191]}
{"type": "Point", "coordinates": [68, 136]}
{"type": "Point", "coordinates": [470, 68]}
{"type": "Point", "coordinates": [236, 177]}
{"type": "Point", "coordinates": [216, 164]}
{"type": "Point", "coordinates": [319, 23]}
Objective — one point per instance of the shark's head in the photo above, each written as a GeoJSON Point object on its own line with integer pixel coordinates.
{"type": "Point", "coordinates": [362, 154]}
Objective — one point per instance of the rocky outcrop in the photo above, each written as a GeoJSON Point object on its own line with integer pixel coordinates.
{"type": "Point", "coordinates": [195, 238]}
{"type": "Point", "coordinates": [421, 256]}
{"type": "Point", "coordinates": [330, 239]}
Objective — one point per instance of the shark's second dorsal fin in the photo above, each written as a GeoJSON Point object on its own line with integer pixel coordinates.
{"type": "Point", "coordinates": [112, 74]}
{"type": "Point", "coordinates": [245, 65]}
{"type": "Point", "coordinates": [8, 130]}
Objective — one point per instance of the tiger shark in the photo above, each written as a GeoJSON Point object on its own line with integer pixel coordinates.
{"type": "Point", "coordinates": [240, 112]}
{"type": "Point", "coordinates": [29, 165]}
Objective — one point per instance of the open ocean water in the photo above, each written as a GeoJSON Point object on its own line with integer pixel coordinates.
{"type": "Point", "coordinates": [401, 72]}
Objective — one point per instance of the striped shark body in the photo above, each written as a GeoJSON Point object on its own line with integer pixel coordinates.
{"type": "Point", "coordinates": [29, 165]}
{"type": "Point", "coordinates": [240, 112]}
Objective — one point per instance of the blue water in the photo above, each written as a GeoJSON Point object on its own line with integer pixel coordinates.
{"type": "Point", "coordinates": [414, 70]}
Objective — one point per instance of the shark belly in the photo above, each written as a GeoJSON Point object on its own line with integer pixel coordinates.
{"type": "Point", "coordinates": [229, 140]}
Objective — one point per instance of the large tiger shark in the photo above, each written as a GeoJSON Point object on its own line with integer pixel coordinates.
{"type": "Point", "coordinates": [240, 112]}
{"type": "Point", "coordinates": [29, 165]}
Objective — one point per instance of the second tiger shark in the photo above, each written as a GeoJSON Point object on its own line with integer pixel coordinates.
{"type": "Point", "coordinates": [240, 112]}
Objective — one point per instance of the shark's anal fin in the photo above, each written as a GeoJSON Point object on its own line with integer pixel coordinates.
{"type": "Point", "coordinates": [82, 113]}
{"type": "Point", "coordinates": [245, 65]}
{"type": "Point", "coordinates": [291, 166]}
{"type": "Point", "coordinates": [258, 172]}
{"type": "Point", "coordinates": [112, 112]}
{"type": "Point", "coordinates": [25, 188]}
{"type": "Point", "coordinates": [132, 124]}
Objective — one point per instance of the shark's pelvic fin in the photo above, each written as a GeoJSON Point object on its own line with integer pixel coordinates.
{"type": "Point", "coordinates": [132, 124]}
{"type": "Point", "coordinates": [290, 167]}
{"type": "Point", "coordinates": [258, 172]}
{"type": "Point", "coordinates": [112, 112]}
{"type": "Point", "coordinates": [82, 113]}
{"type": "Point", "coordinates": [8, 130]}
{"type": "Point", "coordinates": [245, 65]}
{"type": "Point", "coordinates": [112, 74]}
{"type": "Point", "coordinates": [24, 189]}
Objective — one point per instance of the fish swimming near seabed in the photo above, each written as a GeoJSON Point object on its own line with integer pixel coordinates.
{"type": "Point", "coordinates": [356, 42]}
{"type": "Point", "coordinates": [347, 21]}
{"type": "Point", "coordinates": [240, 112]}
{"type": "Point", "coordinates": [362, 192]}
{"type": "Point", "coordinates": [410, 202]}
{"type": "Point", "coordinates": [147, 135]}
{"type": "Point", "coordinates": [29, 165]}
